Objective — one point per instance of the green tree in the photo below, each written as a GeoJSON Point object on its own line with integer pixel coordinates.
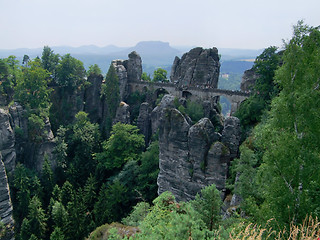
{"type": "Point", "coordinates": [160, 75]}
{"type": "Point", "coordinates": [57, 234]}
{"type": "Point", "coordinates": [70, 73]}
{"type": "Point", "coordinates": [171, 220]}
{"type": "Point", "coordinates": [94, 70]}
{"type": "Point", "coordinates": [37, 218]}
{"type": "Point", "coordinates": [208, 204]}
{"type": "Point", "coordinates": [85, 141]}
{"type": "Point", "coordinates": [145, 77]}
{"type": "Point", "coordinates": [112, 203]}
{"type": "Point", "coordinates": [110, 93]}
{"type": "Point", "coordinates": [124, 144]}
{"type": "Point", "coordinates": [148, 172]}
{"type": "Point", "coordinates": [32, 89]}
{"type": "Point", "coordinates": [265, 89]}
{"type": "Point", "coordinates": [59, 215]}
{"type": "Point", "coordinates": [25, 231]}
{"type": "Point", "coordinates": [290, 136]}
{"type": "Point", "coordinates": [50, 61]}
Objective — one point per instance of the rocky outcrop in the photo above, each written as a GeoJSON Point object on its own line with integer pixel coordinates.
{"type": "Point", "coordinates": [134, 67]}
{"type": "Point", "coordinates": [167, 101]}
{"type": "Point", "coordinates": [5, 204]}
{"type": "Point", "coordinates": [192, 157]}
{"type": "Point", "coordinates": [231, 135]}
{"type": "Point", "coordinates": [128, 71]}
{"type": "Point", "coordinates": [199, 67]}
{"type": "Point", "coordinates": [144, 121]}
{"type": "Point", "coordinates": [248, 81]}
{"type": "Point", "coordinates": [122, 114]}
{"type": "Point", "coordinates": [31, 153]}
{"type": "Point", "coordinates": [7, 141]}
{"type": "Point", "coordinates": [92, 98]}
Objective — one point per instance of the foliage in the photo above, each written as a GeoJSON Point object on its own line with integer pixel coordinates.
{"type": "Point", "coordinates": [125, 143]}
{"type": "Point", "coordinates": [265, 89]}
{"type": "Point", "coordinates": [171, 220]}
{"type": "Point", "coordinates": [137, 215]}
{"type": "Point", "coordinates": [160, 75]}
{"type": "Point", "coordinates": [290, 136]}
{"type": "Point", "coordinates": [208, 204]}
{"type": "Point", "coordinates": [110, 93]}
{"type": "Point", "coordinates": [94, 70]}
{"type": "Point", "coordinates": [145, 77]}
{"type": "Point", "coordinates": [70, 73]}
{"type": "Point", "coordinates": [32, 88]}
{"type": "Point", "coordinates": [50, 61]}
{"type": "Point", "coordinates": [37, 218]}
{"type": "Point", "coordinates": [148, 173]}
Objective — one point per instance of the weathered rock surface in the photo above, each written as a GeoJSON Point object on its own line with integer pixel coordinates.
{"type": "Point", "coordinates": [144, 121]}
{"type": "Point", "coordinates": [92, 98]}
{"type": "Point", "coordinates": [231, 135]}
{"type": "Point", "coordinates": [7, 141]}
{"type": "Point", "coordinates": [128, 71]}
{"type": "Point", "coordinates": [166, 101]}
{"type": "Point", "coordinates": [248, 81]}
{"type": "Point", "coordinates": [174, 162]}
{"type": "Point", "coordinates": [199, 67]}
{"type": "Point", "coordinates": [192, 157]}
{"type": "Point", "coordinates": [122, 114]}
{"type": "Point", "coordinates": [134, 67]}
{"type": "Point", "coordinates": [5, 203]}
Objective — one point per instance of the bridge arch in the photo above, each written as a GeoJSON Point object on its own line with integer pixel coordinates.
{"type": "Point", "coordinates": [186, 94]}
{"type": "Point", "coordinates": [160, 91]}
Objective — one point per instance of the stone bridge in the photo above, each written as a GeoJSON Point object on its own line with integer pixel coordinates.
{"type": "Point", "coordinates": [192, 93]}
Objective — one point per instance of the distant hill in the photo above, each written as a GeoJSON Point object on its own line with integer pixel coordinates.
{"type": "Point", "coordinates": [153, 53]}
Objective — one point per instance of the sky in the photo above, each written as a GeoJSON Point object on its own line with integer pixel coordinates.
{"type": "Point", "coordinates": [246, 24]}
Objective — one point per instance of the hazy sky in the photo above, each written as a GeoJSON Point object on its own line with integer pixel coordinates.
{"type": "Point", "coordinates": [222, 23]}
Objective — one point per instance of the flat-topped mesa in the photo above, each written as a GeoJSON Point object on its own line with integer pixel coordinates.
{"type": "Point", "coordinates": [199, 68]}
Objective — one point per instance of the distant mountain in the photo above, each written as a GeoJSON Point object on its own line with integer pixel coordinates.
{"type": "Point", "coordinates": [153, 53]}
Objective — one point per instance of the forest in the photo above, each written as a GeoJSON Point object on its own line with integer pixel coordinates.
{"type": "Point", "coordinates": [103, 184]}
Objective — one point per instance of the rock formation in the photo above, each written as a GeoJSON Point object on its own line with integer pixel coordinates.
{"type": "Point", "coordinates": [144, 121]}
{"type": "Point", "coordinates": [122, 114]}
{"type": "Point", "coordinates": [128, 71]}
{"type": "Point", "coordinates": [5, 204]}
{"type": "Point", "coordinates": [192, 157]}
{"type": "Point", "coordinates": [7, 141]}
{"type": "Point", "coordinates": [199, 67]}
{"type": "Point", "coordinates": [248, 81]}
{"type": "Point", "coordinates": [92, 98]}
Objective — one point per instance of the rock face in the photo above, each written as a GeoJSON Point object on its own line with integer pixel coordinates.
{"type": "Point", "coordinates": [122, 114]}
{"type": "Point", "coordinates": [7, 141]}
{"type": "Point", "coordinates": [144, 121]}
{"type": "Point", "coordinates": [248, 81]}
{"type": "Point", "coordinates": [192, 157]}
{"type": "Point", "coordinates": [5, 204]}
{"type": "Point", "coordinates": [167, 101]}
{"type": "Point", "coordinates": [231, 135]}
{"type": "Point", "coordinates": [199, 67]}
{"type": "Point", "coordinates": [93, 103]}
{"type": "Point", "coordinates": [128, 71]}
